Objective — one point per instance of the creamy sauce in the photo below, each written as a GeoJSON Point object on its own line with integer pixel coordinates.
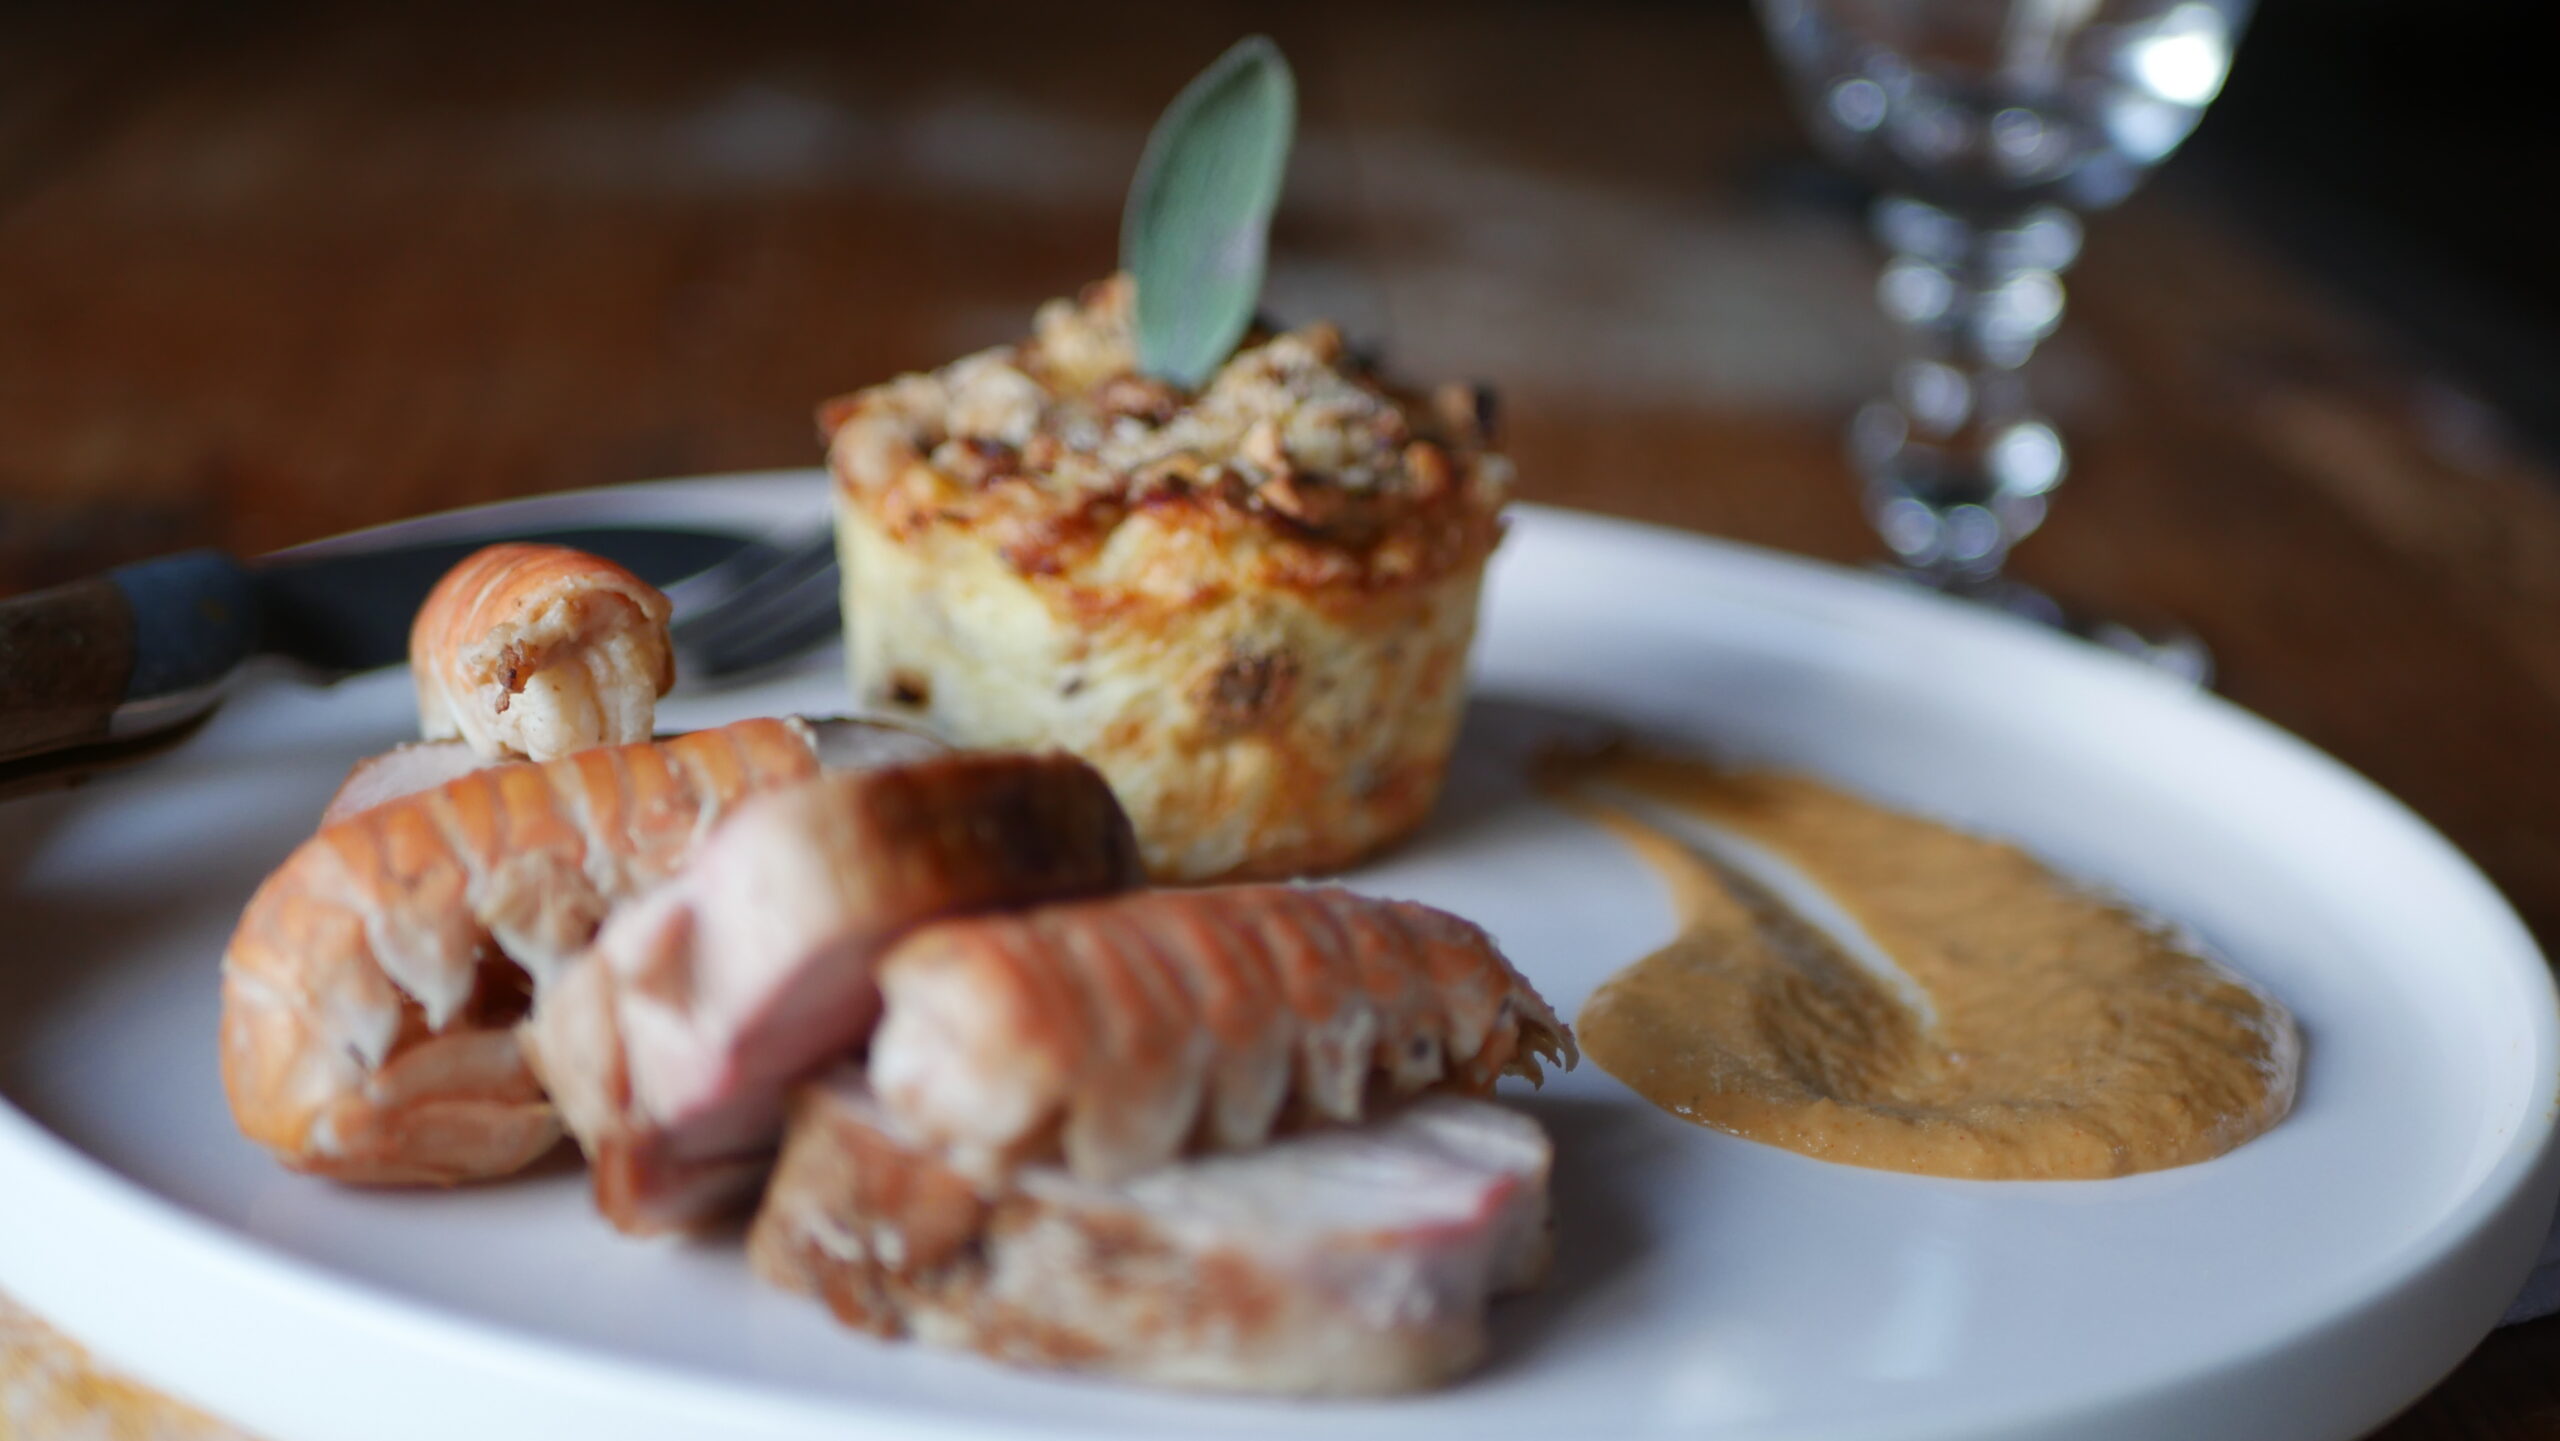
{"type": "Point", "coordinates": [2057, 1035]}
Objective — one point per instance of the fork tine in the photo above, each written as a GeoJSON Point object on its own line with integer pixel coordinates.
{"type": "Point", "coordinates": [785, 610]}
{"type": "Point", "coordinates": [699, 592]}
{"type": "Point", "coordinates": [775, 567]}
{"type": "Point", "coordinates": [769, 605]}
{"type": "Point", "coordinates": [807, 633]}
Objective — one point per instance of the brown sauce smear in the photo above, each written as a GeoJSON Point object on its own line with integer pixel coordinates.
{"type": "Point", "coordinates": [2071, 1039]}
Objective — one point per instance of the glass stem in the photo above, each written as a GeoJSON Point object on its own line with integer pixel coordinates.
{"type": "Point", "coordinates": [1955, 462]}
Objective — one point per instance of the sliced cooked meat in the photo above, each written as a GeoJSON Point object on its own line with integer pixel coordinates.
{"type": "Point", "coordinates": [370, 991]}
{"type": "Point", "coordinates": [1116, 1032]}
{"type": "Point", "coordinates": [845, 743]}
{"type": "Point", "coordinates": [1345, 1261]}
{"type": "Point", "coordinates": [538, 651]}
{"type": "Point", "coordinates": [401, 771]}
{"type": "Point", "coordinates": [669, 1047]}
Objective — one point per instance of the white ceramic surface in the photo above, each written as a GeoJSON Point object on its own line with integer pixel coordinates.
{"type": "Point", "coordinates": [2306, 1285]}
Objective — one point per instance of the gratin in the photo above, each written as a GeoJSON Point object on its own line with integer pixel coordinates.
{"type": "Point", "coordinates": [1249, 606]}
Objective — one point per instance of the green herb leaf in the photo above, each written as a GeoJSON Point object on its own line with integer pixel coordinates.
{"type": "Point", "coordinates": [1199, 216]}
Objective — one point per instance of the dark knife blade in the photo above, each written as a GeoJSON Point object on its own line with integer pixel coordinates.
{"type": "Point", "coordinates": [349, 610]}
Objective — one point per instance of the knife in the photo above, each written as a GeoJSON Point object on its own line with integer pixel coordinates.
{"type": "Point", "coordinates": [104, 669]}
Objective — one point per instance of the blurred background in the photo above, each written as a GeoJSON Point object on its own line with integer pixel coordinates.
{"type": "Point", "coordinates": [2392, 151]}
{"type": "Point", "coordinates": [270, 271]}
{"type": "Point", "coordinates": [273, 271]}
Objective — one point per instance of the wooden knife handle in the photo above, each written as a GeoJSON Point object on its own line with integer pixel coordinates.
{"type": "Point", "coordinates": [65, 655]}
{"type": "Point", "coordinates": [136, 652]}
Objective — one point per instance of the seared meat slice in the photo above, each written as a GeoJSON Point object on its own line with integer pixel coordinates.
{"type": "Point", "coordinates": [1115, 1033]}
{"type": "Point", "coordinates": [401, 771]}
{"type": "Point", "coordinates": [670, 1045]}
{"type": "Point", "coordinates": [1344, 1261]}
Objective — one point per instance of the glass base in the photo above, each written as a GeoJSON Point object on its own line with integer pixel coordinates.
{"type": "Point", "coordinates": [2171, 649]}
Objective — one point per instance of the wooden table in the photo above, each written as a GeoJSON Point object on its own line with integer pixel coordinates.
{"type": "Point", "coordinates": [268, 272]}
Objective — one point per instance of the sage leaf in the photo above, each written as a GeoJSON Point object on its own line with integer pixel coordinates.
{"type": "Point", "coordinates": [1198, 222]}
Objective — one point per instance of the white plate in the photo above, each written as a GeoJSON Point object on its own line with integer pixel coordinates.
{"type": "Point", "coordinates": [2306, 1285]}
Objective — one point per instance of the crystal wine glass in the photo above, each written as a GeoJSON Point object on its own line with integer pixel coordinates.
{"type": "Point", "coordinates": [1990, 127]}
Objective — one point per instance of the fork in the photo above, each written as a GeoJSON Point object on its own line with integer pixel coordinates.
{"type": "Point", "coordinates": [772, 601]}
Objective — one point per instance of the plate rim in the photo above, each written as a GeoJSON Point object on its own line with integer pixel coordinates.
{"type": "Point", "coordinates": [71, 1188]}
